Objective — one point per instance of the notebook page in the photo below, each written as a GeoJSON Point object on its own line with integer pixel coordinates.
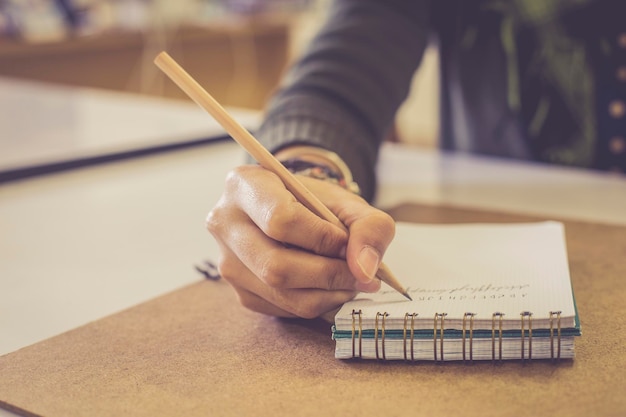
{"type": "Point", "coordinates": [477, 268]}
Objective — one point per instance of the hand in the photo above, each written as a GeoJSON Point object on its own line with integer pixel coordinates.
{"type": "Point", "coordinates": [282, 259]}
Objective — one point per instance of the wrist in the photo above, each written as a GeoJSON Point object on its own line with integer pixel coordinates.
{"type": "Point", "coordinates": [318, 163]}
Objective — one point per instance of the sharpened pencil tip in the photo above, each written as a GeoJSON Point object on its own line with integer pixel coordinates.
{"type": "Point", "coordinates": [407, 296]}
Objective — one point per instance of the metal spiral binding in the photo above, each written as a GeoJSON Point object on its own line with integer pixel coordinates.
{"type": "Point", "coordinates": [441, 318]}
{"type": "Point", "coordinates": [408, 335]}
{"type": "Point", "coordinates": [406, 320]}
{"type": "Point", "coordinates": [558, 325]}
{"type": "Point", "coordinates": [356, 313]}
{"type": "Point", "coordinates": [383, 315]}
{"type": "Point", "coordinates": [530, 333]}
{"type": "Point", "coordinates": [471, 335]}
{"type": "Point", "coordinates": [493, 335]}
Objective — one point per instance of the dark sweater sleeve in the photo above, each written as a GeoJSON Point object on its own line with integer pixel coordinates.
{"type": "Point", "coordinates": [344, 91]}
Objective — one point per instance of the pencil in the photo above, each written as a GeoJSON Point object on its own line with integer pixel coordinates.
{"type": "Point", "coordinates": [265, 158]}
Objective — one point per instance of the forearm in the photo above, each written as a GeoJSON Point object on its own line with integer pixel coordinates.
{"type": "Point", "coordinates": [343, 93]}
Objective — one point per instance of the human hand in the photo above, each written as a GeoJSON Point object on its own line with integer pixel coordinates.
{"type": "Point", "coordinates": [282, 259]}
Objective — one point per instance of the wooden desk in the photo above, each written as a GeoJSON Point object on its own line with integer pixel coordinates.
{"type": "Point", "coordinates": [79, 246]}
{"type": "Point", "coordinates": [195, 352]}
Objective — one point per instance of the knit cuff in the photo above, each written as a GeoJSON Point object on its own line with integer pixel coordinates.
{"type": "Point", "coordinates": [320, 123]}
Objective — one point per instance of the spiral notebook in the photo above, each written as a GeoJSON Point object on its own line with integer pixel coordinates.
{"type": "Point", "coordinates": [480, 292]}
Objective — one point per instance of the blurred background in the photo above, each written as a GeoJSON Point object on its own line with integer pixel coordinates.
{"type": "Point", "coordinates": [237, 49]}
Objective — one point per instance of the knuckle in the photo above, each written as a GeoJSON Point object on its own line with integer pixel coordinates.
{"type": "Point", "coordinates": [272, 271]}
{"type": "Point", "coordinates": [233, 179]}
{"type": "Point", "coordinates": [332, 277]}
{"type": "Point", "coordinates": [239, 179]}
{"type": "Point", "coordinates": [385, 220]}
{"type": "Point", "coordinates": [248, 301]}
{"type": "Point", "coordinates": [383, 224]}
{"type": "Point", "coordinates": [327, 243]}
{"type": "Point", "coordinates": [279, 219]}
{"type": "Point", "coordinates": [238, 174]}
{"type": "Point", "coordinates": [219, 220]}
{"type": "Point", "coordinates": [213, 220]}
{"type": "Point", "coordinates": [334, 281]}
{"type": "Point", "coordinates": [227, 268]}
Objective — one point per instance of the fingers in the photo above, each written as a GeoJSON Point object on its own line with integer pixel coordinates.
{"type": "Point", "coordinates": [283, 302]}
{"type": "Point", "coordinates": [306, 304]}
{"type": "Point", "coordinates": [263, 197]}
{"type": "Point", "coordinates": [255, 303]}
{"type": "Point", "coordinates": [279, 266]}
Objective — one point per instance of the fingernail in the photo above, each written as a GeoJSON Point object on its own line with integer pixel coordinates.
{"type": "Point", "coordinates": [368, 261]}
{"type": "Point", "coordinates": [372, 286]}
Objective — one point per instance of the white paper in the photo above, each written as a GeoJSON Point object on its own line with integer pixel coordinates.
{"type": "Point", "coordinates": [482, 269]}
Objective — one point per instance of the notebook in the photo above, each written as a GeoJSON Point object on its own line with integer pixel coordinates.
{"type": "Point", "coordinates": [480, 292]}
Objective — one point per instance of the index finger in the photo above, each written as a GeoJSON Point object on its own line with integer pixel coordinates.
{"type": "Point", "coordinates": [264, 198]}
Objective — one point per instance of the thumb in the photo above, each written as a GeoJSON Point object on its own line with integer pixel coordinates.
{"type": "Point", "coordinates": [371, 232]}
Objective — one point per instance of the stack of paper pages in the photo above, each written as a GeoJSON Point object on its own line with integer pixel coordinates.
{"type": "Point", "coordinates": [480, 292]}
